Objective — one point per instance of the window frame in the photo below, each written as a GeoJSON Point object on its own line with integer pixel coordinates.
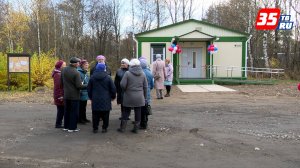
{"type": "Point", "coordinates": [152, 45]}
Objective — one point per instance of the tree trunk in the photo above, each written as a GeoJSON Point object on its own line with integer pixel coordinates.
{"type": "Point", "coordinates": [265, 49]}
{"type": "Point", "coordinates": [183, 10]}
{"type": "Point", "coordinates": [250, 56]}
{"type": "Point", "coordinates": [191, 9]}
{"type": "Point", "coordinates": [157, 13]}
{"type": "Point", "coordinates": [175, 11]}
{"type": "Point", "coordinates": [276, 36]}
{"type": "Point", "coordinates": [55, 31]}
{"type": "Point", "coordinates": [38, 32]}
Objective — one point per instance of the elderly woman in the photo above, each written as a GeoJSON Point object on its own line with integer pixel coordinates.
{"type": "Point", "coordinates": [101, 59]}
{"type": "Point", "coordinates": [101, 91]}
{"type": "Point", "coordinates": [119, 75]}
{"type": "Point", "coordinates": [159, 76]}
{"type": "Point", "coordinates": [82, 69]}
{"type": "Point", "coordinates": [169, 77]}
{"type": "Point", "coordinates": [58, 93]}
{"type": "Point", "coordinates": [134, 85]}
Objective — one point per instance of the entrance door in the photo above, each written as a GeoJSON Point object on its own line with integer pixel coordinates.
{"type": "Point", "coordinates": [190, 63]}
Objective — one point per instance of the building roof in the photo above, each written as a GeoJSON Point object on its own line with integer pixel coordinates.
{"type": "Point", "coordinates": [188, 26]}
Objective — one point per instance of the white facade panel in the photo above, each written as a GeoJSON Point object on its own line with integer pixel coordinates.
{"type": "Point", "coordinates": [229, 55]}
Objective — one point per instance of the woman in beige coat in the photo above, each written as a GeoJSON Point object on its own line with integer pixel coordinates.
{"type": "Point", "coordinates": [159, 76]}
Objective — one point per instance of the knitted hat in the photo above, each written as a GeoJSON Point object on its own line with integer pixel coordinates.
{"type": "Point", "coordinates": [82, 62]}
{"type": "Point", "coordinates": [100, 67]}
{"type": "Point", "coordinates": [134, 62]}
{"type": "Point", "coordinates": [74, 60]}
{"type": "Point", "coordinates": [59, 64]}
{"type": "Point", "coordinates": [125, 61]}
{"type": "Point", "coordinates": [144, 63]}
{"type": "Point", "coordinates": [100, 57]}
{"type": "Point", "coordinates": [142, 57]}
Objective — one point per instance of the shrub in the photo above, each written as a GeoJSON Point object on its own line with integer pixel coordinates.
{"type": "Point", "coordinates": [41, 69]}
{"type": "Point", "coordinates": [3, 71]}
{"type": "Point", "coordinates": [274, 63]}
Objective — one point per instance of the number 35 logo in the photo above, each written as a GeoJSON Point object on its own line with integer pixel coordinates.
{"type": "Point", "coordinates": [267, 19]}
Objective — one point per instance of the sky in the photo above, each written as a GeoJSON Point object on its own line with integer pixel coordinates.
{"type": "Point", "coordinates": [126, 9]}
{"type": "Point", "coordinates": [197, 14]}
{"type": "Point", "coordinates": [201, 6]}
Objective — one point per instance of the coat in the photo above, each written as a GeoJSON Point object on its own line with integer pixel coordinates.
{"type": "Point", "coordinates": [134, 85]}
{"type": "Point", "coordinates": [169, 73]}
{"type": "Point", "coordinates": [101, 91]}
{"type": "Point", "coordinates": [85, 80]}
{"type": "Point", "coordinates": [149, 77]}
{"type": "Point", "coordinates": [119, 75]}
{"type": "Point", "coordinates": [71, 83]}
{"type": "Point", "coordinates": [58, 91]}
{"type": "Point", "coordinates": [159, 67]}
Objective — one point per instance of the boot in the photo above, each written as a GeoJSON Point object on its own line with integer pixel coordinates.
{"type": "Point", "coordinates": [122, 126]}
{"type": "Point", "coordinates": [135, 128]}
{"type": "Point", "coordinates": [167, 95]}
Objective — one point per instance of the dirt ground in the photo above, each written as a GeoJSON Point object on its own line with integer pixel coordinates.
{"type": "Point", "coordinates": [255, 127]}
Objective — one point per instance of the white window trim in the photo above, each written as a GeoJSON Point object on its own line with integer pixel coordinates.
{"type": "Point", "coordinates": [151, 53]}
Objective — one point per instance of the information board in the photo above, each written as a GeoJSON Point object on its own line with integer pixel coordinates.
{"type": "Point", "coordinates": [18, 64]}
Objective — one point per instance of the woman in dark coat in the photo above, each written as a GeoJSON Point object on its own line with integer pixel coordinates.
{"type": "Point", "coordinates": [134, 84]}
{"type": "Point", "coordinates": [101, 91]}
{"type": "Point", "coordinates": [119, 75]}
{"type": "Point", "coordinates": [58, 93]}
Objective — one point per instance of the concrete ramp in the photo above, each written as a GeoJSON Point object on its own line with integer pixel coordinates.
{"type": "Point", "coordinates": [204, 88]}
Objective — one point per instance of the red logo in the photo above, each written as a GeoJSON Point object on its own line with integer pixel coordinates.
{"type": "Point", "coordinates": [267, 19]}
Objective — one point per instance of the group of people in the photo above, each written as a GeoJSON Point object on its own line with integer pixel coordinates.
{"type": "Point", "coordinates": [132, 86]}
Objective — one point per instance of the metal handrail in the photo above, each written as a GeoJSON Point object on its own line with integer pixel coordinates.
{"type": "Point", "coordinates": [231, 69]}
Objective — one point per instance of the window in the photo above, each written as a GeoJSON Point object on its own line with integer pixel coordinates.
{"type": "Point", "coordinates": [194, 59]}
{"type": "Point", "coordinates": [158, 49]}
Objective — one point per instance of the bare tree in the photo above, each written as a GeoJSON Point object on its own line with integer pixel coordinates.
{"type": "Point", "coordinates": [157, 13]}
{"type": "Point", "coordinates": [116, 25]}
{"type": "Point", "coordinates": [37, 6]}
{"type": "Point", "coordinates": [187, 9]}
{"type": "Point", "coordinates": [184, 6]}
{"type": "Point", "coordinates": [173, 7]}
{"type": "Point", "coordinates": [145, 15]}
{"type": "Point", "coordinates": [191, 10]}
{"type": "Point", "coordinates": [72, 16]}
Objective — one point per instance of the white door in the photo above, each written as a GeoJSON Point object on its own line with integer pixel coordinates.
{"type": "Point", "coordinates": [190, 63]}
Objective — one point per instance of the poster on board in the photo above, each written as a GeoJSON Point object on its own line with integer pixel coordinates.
{"type": "Point", "coordinates": [18, 64]}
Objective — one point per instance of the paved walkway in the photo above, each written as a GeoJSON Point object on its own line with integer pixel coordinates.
{"type": "Point", "coordinates": [204, 88]}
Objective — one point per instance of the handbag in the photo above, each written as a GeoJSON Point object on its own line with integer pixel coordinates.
{"type": "Point", "coordinates": [156, 76]}
{"type": "Point", "coordinates": [149, 109]}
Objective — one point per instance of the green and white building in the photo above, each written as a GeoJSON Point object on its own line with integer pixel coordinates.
{"type": "Point", "coordinates": [193, 64]}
